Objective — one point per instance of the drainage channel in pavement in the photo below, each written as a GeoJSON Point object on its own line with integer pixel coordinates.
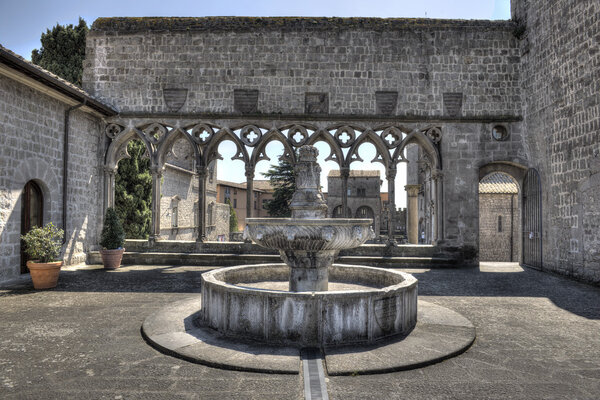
{"type": "Point", "coordinates": [315, 387]}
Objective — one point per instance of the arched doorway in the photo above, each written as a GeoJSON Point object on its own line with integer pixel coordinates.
{"type": "Point", "coordinates": [499, 216]}
{"type": "Point", "coordinates": [366, 212]}
{"type": "Point", "coordinates": [532, 220]}
{"type": "Point", "coordinates": [32, 214]}
{"type": "Point", "coordinates": [337, 212]}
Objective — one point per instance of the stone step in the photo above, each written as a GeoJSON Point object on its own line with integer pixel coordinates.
{"type": "Point", "coordinates": [217, 259]}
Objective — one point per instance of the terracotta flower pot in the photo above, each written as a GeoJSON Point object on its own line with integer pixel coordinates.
{"type": "Point", "coordinates": [112, 258]}
{"type": "Point", "coordinates": [44, 275]}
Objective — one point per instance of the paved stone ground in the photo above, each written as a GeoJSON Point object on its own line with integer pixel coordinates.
{"type": "Point", "coordinates": [538, 337]}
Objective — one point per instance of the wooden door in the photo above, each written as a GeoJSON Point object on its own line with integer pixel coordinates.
{"type": "Point", "coordinates": [32, 214]}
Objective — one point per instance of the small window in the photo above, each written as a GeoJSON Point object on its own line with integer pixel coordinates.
{"type": "Point", "coordinates": [499, 223]}
{"type": "Point", "coordinates": [349, 192]}
{"type": "Point", "coordinates": [499, 133]}
{"type": "Point", "coordinates": [234, 191]}
{"type": "Point", "coordinates": [227, 192]}
{"type": "Point", "coordinates": [361, 192]}
{"type": "Point", "coordinates": [174, 217]}
{"type": "Point", "coordinates": [255, 205]}
{"type": "Point", "coordinates": [264, 204]}
{"type": "Point", "coordinates": [234, 203]}
{"type": "Point", "coordinates": [211, 174]}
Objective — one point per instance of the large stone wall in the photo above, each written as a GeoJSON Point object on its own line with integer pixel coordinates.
{"type": "Point", "coordinates": [129, 61]}
{"type": "Point", "coordinates": [561, 82]}
{"type": "Point", "coordinates": [31, 148]}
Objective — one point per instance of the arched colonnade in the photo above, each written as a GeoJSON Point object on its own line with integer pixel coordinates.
{"type": "Point", "coordinates": [204, 137]}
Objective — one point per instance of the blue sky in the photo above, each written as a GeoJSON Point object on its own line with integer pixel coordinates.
{"type": "Point", "coordinates": [22, 22]}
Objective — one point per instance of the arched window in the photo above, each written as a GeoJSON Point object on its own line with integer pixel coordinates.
{"type": "Point", "coordinates": [499, 223]}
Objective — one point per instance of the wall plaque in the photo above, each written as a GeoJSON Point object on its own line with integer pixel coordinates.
{"type": "Point", "coordinates": [316, 103]}
{"type": "Point", "coordinates": [453, 104]}
{"type": "Point", "coordinates": [385, 102]}
{"type": "Point", "coordinates": [245, 101]}
{"type": "Point", "coordinates": [174, 98]}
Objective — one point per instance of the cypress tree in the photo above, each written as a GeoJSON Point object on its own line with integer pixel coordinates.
{"type": "Point", "coordinates": [63, 51]}
{"type": "Point", "coordinates": [133, 192]}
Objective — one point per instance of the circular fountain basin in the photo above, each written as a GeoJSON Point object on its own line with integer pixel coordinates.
{"type": "Point", "coordinates": [309, 234]}
{"type": "Point", "coordinates": [238, 302]}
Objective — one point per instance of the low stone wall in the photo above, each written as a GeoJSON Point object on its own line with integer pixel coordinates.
{"type": "Point", "coordinates": [310, 318]}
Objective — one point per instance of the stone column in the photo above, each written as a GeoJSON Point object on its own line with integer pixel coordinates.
{"type": "Point", "coordinates": [344, 174]}
{"type": "Point", "coordinates": [249, 191]}
{"type": "Point", "coordinates": [436, 177]}
{"type": "Point", "coordinates": [109, 187]}
{"type": "Point", "coordinates": [391, 178]}
{"type": "Point", "coordinates": [201, 234]}
{"type": "Point", "coordinates": [155, 222]}
{"type": "Point", "coordinates": [413, 213]}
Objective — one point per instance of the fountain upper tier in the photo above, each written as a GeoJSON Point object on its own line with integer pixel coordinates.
{"type": "Point", "coordinates": [308, 242]}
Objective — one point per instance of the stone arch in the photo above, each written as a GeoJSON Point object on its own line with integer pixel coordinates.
{"type": "Point", "coordinates": [117, 150]}
{"type": "Point", "coordinates": [336, 211]}
{"type": "Point", "coordinates": [42, 174]}
{"type": "Point", "coordinates": [368, 137]}
{"type": "Point", "coordinates": [211, 151]}
{"type": "Point", "coordinates": [272, 135]}
{"type": "Point", "coordinates": [418, 137]}
{"type": "Point", "coordinates": [322, 135]}
{"type": "Point", "coordinates": [165, 146]}
{"type": "Point", "coordinates": [514, 169]}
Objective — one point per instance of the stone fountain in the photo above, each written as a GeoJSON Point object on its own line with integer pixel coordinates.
{"type": "Point", "coordinates": [256, 317]}
{"type": "Point", "coordinates": [366, 305]}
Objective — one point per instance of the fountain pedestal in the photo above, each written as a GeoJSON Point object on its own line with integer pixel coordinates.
{"type": "Point", "coordinates": [309, 269]}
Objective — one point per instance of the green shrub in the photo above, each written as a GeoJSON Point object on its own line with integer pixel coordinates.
{"type": "Point", "coordinates": [43, 244]}
{"type": "Point", "coordinates": [113, 235]}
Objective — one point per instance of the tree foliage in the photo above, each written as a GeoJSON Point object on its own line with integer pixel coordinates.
{"type": "Point", "coordinates": [133, 192]}
{"type": "Point", "coordinates": [113, 235]}
{"type": "Point", "coordinates": [233, 221]}
{"type": "Point", "coordinates": [283, 179]}
{"type": "Point", "coordinates": [63, 51]}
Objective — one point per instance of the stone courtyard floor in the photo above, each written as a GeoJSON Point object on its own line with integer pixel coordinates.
{"type": "Point", "coordinates": [538, 337]}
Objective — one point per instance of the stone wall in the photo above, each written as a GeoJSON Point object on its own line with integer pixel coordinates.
{"type": "Point", "coordinates": [31, 148]}
{"type": "Point", "coordinates": [499, 243]}
{"type": "Point", "coordinates": [129, 61]}
{"type": "Point", "coordinates": [561, 82]}
{"type": "Point", "coordinates": [460, 75]}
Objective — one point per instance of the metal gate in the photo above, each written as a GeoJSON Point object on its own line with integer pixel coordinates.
{"type": "Point", "coordinates": [532, 220]}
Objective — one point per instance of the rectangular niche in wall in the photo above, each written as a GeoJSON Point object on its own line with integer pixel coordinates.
{"type": "Point", "coordinates": [245, 101]}
{"type": "Point", "coordinates": [453, 104]}
{"type": "Point", "coordinates": [316, 103]}
{"type": "Point", "coordinates": [174, 98]}
{"type": "Point", "coordinates": [385, 102]}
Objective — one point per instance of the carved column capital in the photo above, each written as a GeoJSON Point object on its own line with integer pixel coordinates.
{"type": "Point", "coordinates": [344, 172]}
{"type": "Point", "coordinates": [201, 170]}
{"type": "Point", "coordinates": [412, 190]}
{"type": "Point", "coordinates": [156, 170]}
{"type": "Point", "coordinates": [437, 174]}
{"type": "Point", "coordinates": [390, 173]}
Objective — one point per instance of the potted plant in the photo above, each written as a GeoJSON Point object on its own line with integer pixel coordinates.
{"type": "Point", "coordinates": [112, 240]}
{"type": "Point", "coordinates": [42, 246]}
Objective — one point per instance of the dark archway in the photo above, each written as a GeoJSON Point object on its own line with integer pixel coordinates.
{"type": "Point", "coordinates": [366, 212]}
{"type": "Point", "coordinates": [32, 214]}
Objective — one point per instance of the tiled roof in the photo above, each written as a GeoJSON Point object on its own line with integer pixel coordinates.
{"type": "Point", "coordinates": [51, 80]}
{"type": "Point", "coordinates": [259, 185]}
{"type": "Point", "coordinates": [498, 182]}
{"type": "Point", "coordinates": [356, 173]}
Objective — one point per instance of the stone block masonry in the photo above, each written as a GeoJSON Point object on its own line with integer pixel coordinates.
{"type": "Point", "coordinates": [31, 148]}
{"type": "Point", "coordinates": [561, 81]}
{"type": "Point", "coordinates": [131, 60]}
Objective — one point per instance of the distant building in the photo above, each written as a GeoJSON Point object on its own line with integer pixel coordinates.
{"type": "Point", "coordinates": [179, 201]}
{"type": "Point", "coordinates": [399, 219]}
{"type": "Point", "coordinates": [236, 193]}
{"type": "Point", "coordinates": [499, 218]}
{"type": "Point", "coordinates": [364, 196]}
